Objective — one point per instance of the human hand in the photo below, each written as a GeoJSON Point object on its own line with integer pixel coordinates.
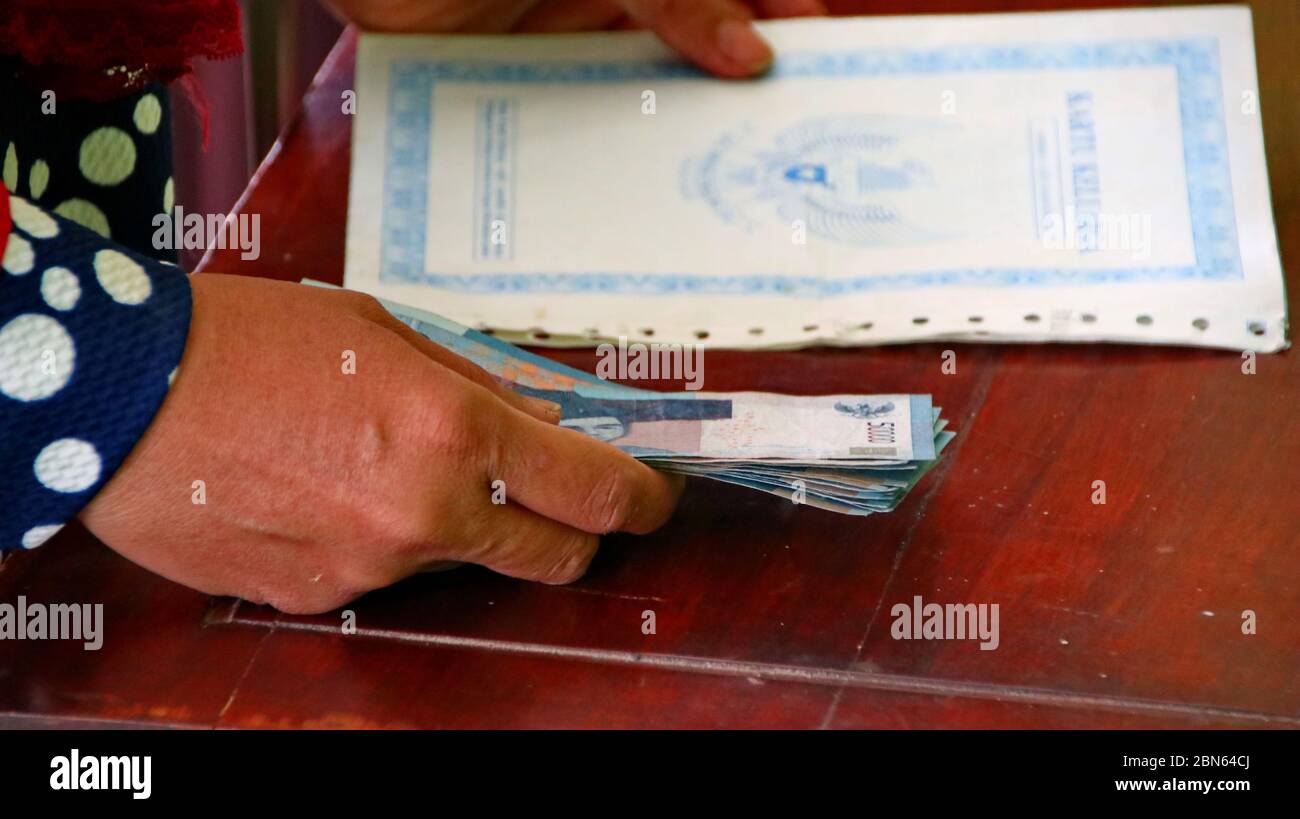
{"type": "Point", "coordinates": [714, 34]}
{"type": "Point", "coordinates": [319, 485]}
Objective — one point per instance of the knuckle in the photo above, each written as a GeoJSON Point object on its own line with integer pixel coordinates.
{"type": "Point", "coordinates": [405, 534]}
{"type": "Point", "coordinates": [388, 526]}
{"type": "Point", "coordinates": [256, 596]}
{"type": "Point", "coordinates": [654, 10]}
{"type": "Point", "coordinates": [609, 504]}
{"type": "Point", "coordinates": [670, 11]}
{"type": "Point", "coordinates": [359, 577]}
{"type": "Point", "coordinates": [658, 505]}
{"type": "Point", "coordinates": [312, 597]}
{"type": "Point", "coordinates": [573, 563]}
{"type": "Point", "coordinates": [363, 303]}
{"type": "Point", "coordinates": [453, 423]}
{"type": "Point", "coordinates": [293, 602]}
{"type": "Point", "coordinates": [485, 542]}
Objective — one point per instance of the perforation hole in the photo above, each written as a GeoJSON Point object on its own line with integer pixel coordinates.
{"type": "Point", "coordinates": [866, 325]}
{"type": "Point", "coordinates": [701, 334]}
{"type": "Point", "coordinates": [975, 319]}
{"type": "Point", "coordinates": [920, 320]}
{"type": "Point", "coordinates": [756, 331]}
{"type": "Point", "coordinates": [810, 328]}
{"type": "Point", "coordinates": [1144, 320]}
{"type": "Point", "coordinates": [1032, 317]}
{"type": "Point", "coordinates": [1200, 324]}
{"type": "Point", "coordinates": [1256, 328]}
{"type": "Point", "coordinates": [647, 331]}
{"type": "Point", "coordinates": [1088, 318]}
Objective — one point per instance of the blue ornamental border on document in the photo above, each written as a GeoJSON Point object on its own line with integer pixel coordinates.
{"type": "Point", "coordinates": [1208, 176]}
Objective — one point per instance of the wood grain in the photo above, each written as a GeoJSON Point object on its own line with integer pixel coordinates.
{"type": "Point", "coordinates": [1121, 615]}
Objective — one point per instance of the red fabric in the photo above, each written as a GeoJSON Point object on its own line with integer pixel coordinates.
{"type": "Point", "coordinates": [99, 49]}
{"type": "Point", "coordinates": [5, 224]}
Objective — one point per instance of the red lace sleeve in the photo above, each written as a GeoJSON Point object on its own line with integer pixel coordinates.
{"type": "Point", "coordinates": [5, 224]}
{"type": "Point", "coordinates": [100, 49]}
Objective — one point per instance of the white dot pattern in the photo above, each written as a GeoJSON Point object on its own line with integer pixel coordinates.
{"type": "Point", "coordinates": [32, 220]}
{"type": "Point", "coordinates": [37, 357]}
{"type": "Point", "coordinates": [90, 333]}
{"type": "Point", "coordinates": [19, 257]}
{"type": "Point", "coordinates": [37, 535]}
{"type": "Point", "coordinates": [122, 277]}
{"type": "Point", "coordinates": [85, 214]}
{"type": "Point", "coordinates": [68, 465]}
{"type": "Point", "coordinates": [11, 168]}
{"type": "Point", "coordinates": [60, 288]}
{"type": "Point", "coordinates": [38, 178]}
{"type": "Point", "coordinates": [148, 114]}
{"type": "Point", "coordinates": [107, 156]}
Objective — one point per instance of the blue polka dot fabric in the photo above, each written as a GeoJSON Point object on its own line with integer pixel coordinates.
{"type": "Point", "coordinates": [91, 334]}
{"type": "Point", "coordinates": [106, 165]}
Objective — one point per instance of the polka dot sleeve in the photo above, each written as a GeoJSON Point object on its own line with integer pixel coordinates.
{"type": "Point", "coordinates": [90, 338]}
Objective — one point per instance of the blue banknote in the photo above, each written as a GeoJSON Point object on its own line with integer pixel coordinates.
{"type": "Point", "coordinates": [854, 454]}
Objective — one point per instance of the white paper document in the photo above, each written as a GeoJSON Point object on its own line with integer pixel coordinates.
{"type": "Point", "coordinates": [1073, 176]}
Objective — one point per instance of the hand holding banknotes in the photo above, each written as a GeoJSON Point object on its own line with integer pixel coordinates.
{"type": "Point", "coordinates": [714, 34]}
{"type": "Point", "coordinates": [272, 474]}
{"type": "Point", "coordinates": [322, 481]}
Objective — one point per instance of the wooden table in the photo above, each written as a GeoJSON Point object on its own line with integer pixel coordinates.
{"type": "Point", "coordinates": [768, 614]}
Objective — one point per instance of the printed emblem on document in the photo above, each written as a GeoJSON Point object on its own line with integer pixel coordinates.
{"type": "Point", "coordinates": [856, 180]}
{"type": "Point", "coordinates": [864, 409]}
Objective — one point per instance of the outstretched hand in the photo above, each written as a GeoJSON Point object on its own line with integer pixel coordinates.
{"type": "Point", "coordinates": [716, 35]}
{"type": "Point", "coordinates": [275, 472]}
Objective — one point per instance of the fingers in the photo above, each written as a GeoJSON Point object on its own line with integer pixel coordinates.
{"type": "Point", "coordinates": [520, 543]}
{"type": "Point", "coordinates": [571, 15]}
{"type": "Point", "coordinates": [579, 481]}
{"type": "Point", "coordinates": [716, 35]}
{"type": "Point", "coordinates": [773, 9]}
{"type": "Point", "coordinates": [546, 411]}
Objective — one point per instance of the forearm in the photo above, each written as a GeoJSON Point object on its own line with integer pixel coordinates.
{"type": "Point", "coordinates": [89, 335]}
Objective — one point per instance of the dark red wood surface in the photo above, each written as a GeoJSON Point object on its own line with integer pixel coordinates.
{"type": "Point", "coordinates": [1126, 614]}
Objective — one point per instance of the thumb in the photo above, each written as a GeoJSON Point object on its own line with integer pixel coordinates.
{"type": "Point", "coordinates": [717, 35]}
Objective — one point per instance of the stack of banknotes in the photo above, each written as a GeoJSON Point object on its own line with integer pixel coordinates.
{"type": "Point", "coordinates": [854, 454]}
